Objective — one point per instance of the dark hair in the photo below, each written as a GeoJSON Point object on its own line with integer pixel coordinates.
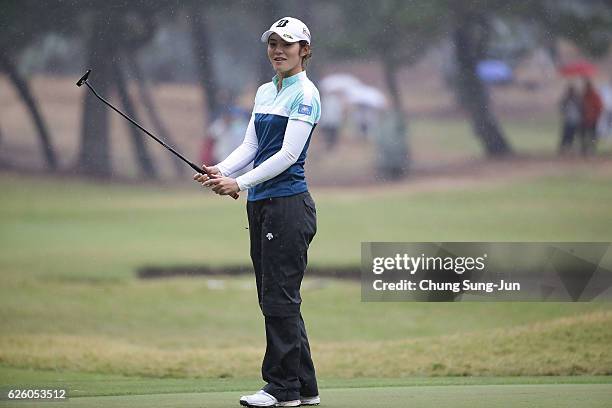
{"type": "Point", "coordinates": [306, 57]}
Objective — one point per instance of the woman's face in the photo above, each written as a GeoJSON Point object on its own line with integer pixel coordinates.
{"type": "Point", "coordinates": [285, 57]}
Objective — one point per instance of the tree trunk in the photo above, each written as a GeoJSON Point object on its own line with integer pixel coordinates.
{"type": "Point", "coordinates": [143, 158]}
{"type": "Point", "coordinates": [390, 69]}
{"type": "Point", "coordinates": [394, 160]}
{"type": "Point", "coordinates": [94, 154]}
{"type": "Point", "coordinates": [23, 89]}
{"type": "Point", "coordinates": [147, 100]}
{"type": "Point", "coordinates": [469, 38]}
{"type": "Point", "coordinates": [203, 57]}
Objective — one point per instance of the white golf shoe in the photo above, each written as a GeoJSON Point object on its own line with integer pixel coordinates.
{"type": "Point", "coordinates": [310, 400]}
{"type": "Point", "coordinates": [263, 399]}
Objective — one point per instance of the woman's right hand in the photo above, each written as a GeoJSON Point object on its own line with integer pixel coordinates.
{"type": "Point", "coordinates": [202, 177]}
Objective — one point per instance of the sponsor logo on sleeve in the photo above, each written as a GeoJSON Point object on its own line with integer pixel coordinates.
{"type": "Point", "coordinates": [305, 109]}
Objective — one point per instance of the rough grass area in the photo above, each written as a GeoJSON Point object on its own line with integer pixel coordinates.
{"type": "Point", "coordinates": [566, 346]}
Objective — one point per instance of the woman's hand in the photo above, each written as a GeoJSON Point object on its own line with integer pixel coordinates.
{"type": "Point", "coordinates": [222, 185]}
{"type": "Point", "coordinates": [202, 177]}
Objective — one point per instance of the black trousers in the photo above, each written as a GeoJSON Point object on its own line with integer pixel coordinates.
{"type": "Point", "coordinates": [281, 230]}
{"type": "Point", "coordinates": [588, 139]}
{"type": "Point", "coordinates": [567, 136]}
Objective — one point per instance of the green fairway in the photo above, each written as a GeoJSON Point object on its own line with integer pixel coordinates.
{"type": "Point", "coordinates": [77, 231]}
{"type": "Point", "coordinates": [511, 396]}
{"type": "Point", "coordinates": [82, 384]}
{"type": "Point", "coordinates": [94, 390]}
{"type": "Point", "coordinates": [454, 138]}
{"type": "Point", "coordinates": [70, 301]}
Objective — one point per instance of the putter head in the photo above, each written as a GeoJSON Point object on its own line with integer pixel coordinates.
{"type": "Point", "coordinates": [83, 78]}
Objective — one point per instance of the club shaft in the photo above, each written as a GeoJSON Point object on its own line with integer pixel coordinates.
{"type": "Point", "coordinates": [180, 156]}
{"type": "Point", "coordinates": [132, 121]}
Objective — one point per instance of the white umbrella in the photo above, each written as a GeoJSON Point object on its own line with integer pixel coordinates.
{"type": "Point", "coordinates": [368, 96]}
{"type": "Point", "coordinates": [339, 82]}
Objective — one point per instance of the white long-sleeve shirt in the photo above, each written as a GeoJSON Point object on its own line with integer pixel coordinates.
{"type": "Point", "coordinates": [296, 136]}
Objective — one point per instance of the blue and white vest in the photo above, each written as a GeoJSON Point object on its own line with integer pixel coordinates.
{"type": "Point", "coordinates": [298, 99]}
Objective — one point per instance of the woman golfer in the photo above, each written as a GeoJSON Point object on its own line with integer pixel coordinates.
{"type": "Point", "coordinates": [281, 212]}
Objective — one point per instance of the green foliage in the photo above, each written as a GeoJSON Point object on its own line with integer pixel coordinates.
{"type": "Point", "coordinates": [23, 21]}
{"type": "Point", "coordinates": [399, 31]}
{"type": "Point", "coordinates": [587, 23]}
{"type": "Point", "coordinates": [405, 29]}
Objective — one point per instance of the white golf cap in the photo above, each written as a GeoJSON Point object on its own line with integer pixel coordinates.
{"type": "Point", "coordinates": [289, 29]}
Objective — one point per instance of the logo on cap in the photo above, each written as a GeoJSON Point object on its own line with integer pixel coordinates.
{"type": "Point", "coordinates": [288, 36]}
{"type": "Point", "coordinates": [283, 22]}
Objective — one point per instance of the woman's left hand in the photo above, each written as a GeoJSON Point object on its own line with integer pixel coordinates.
{"type": "Point", "coordinates": [222, 185]}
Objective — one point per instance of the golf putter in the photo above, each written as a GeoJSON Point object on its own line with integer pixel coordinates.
{"type": "Point", "coordinates": [194, 166]}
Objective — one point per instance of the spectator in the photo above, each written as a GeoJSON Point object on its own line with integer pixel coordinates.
{"type": "Point", "coordinates": [220, 119]}
{"type": "Point", "coordinates": [592, 107]}
{"type": "Point", "coordinates": [365, 117]}
{"type": "Point", "coordinates": [605, 121]}
{"type": "Point", "coordinates": [331, 118]}
{"type": "Point", "coordinates": [571, 116]}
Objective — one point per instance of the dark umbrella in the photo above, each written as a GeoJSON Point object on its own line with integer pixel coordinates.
{"type": "Point", "coordinates": [578, 68]}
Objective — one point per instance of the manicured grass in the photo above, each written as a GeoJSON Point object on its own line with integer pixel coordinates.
{"type": "Point", "coordinates": [81, 384]}
{"type": "Point", "coordinates": [449, 138]}
{"type": "Point", "coordinates": [541, 395]}
{"type": "Point", "coordinates": [72, 230]}
{"type": "Point", "coordinates": [69, 299]}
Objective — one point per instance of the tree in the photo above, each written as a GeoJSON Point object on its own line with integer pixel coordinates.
{"type": "Point", "coordinates": [397, 33]}
{"type": "Point", "coordinates": [139, 29]}
{"type": "Point", "coordinates": [151, 109]}
{"type": "Point", "coordinates": [471, 35]}
{"type": "Point", "coordinates": [119, 29]}
{"type": "Point", "coordinates": [20, 24]}
{"type": "Point", "coordinates": [400, 32]}
{"type": "Point", "coordinates": [94, 154]}
{"type": "Point", "coordinates": [586, 23]}
{"type": "Point", "coordinates": [143, 158]}
{"type": "Point", "coordinates": [203, 57]}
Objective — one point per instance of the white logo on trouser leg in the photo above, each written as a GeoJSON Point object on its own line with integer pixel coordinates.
{"type": "Point", "coordinates": [269, 236]}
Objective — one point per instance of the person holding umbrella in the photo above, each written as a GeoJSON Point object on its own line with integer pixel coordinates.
{"type": "Point", "coordinates": [281, 212]}
{"type": "Point", "coordinates": [591, 103]}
